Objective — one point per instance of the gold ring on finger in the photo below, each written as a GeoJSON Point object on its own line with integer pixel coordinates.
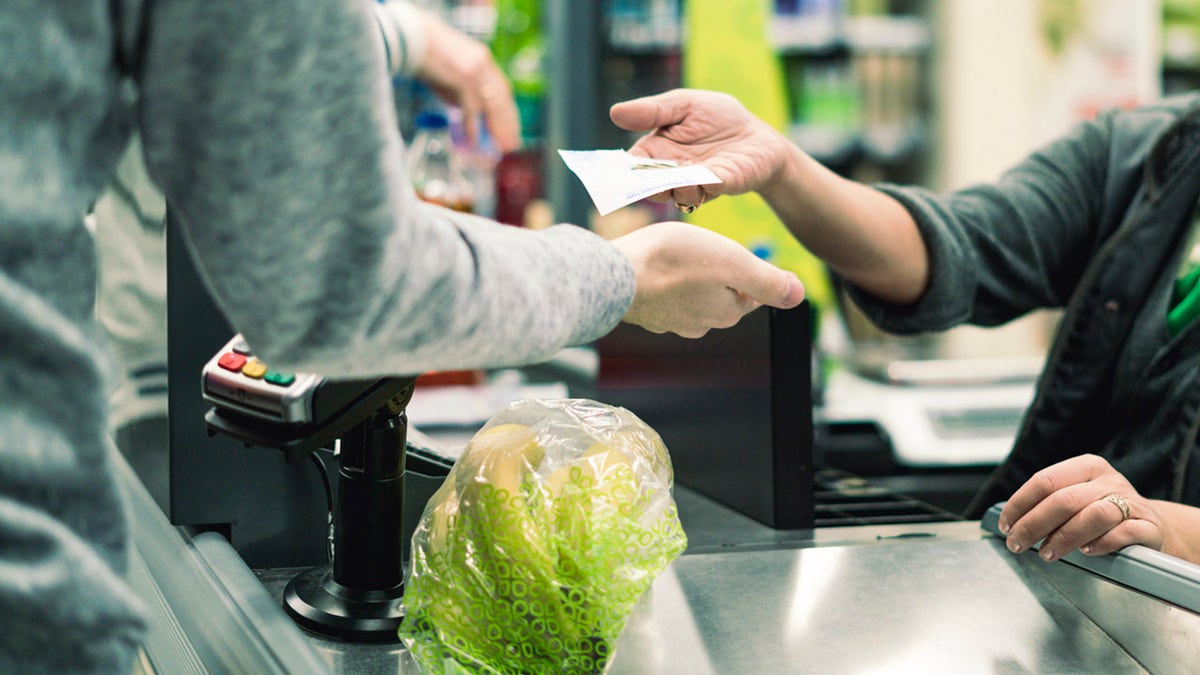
{"type": "Point", "coordinates": [688, 208]}
{"type": "Point", "coordinates": [1121, 504]}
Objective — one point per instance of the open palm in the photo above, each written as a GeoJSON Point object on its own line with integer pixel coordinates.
{"type": "Point", "coordinates": [709, 128]}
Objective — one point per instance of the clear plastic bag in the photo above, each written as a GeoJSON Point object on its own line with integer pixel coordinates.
{"type": "Point", "coordinates": [536, 548]}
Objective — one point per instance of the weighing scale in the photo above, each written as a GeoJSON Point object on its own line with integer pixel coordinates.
{"type": "Point", "coordinates": [937, 412]}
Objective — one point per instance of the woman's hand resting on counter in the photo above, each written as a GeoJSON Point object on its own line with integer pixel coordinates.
{"type": "Point", "coordinates": [1080, 503]}
{"type": "Point", "coordinates": [690, 280]}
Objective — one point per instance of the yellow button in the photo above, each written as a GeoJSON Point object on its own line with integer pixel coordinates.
{"type": "Point", "coordinates": [254, 368]}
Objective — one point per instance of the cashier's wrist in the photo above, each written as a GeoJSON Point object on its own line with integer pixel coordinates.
{"type": "Point", "coordinates": [1177, 529]}
{"type": "Point", "coordinates": [787, 180]}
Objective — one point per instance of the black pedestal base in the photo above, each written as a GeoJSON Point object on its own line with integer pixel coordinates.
{"type": "Point", "coordinates": [320, 604]}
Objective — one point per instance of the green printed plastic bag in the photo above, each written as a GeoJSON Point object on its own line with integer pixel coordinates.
{"type": "Point", "coordinates": [535, 549]}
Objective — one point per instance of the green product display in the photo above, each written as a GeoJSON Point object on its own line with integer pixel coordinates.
{"type": "Point", "coordinates": [519, 46]}
{"type": "Point", "coordinates": [534, 551]}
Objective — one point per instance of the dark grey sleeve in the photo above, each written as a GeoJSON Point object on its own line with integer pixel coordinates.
{"type": "Point", "coordinates": [1002, 249]}
{"type": "Point", "coordinates": [271, 129]}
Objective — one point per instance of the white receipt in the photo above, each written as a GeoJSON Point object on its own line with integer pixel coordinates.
{"type": "Point", "coordinates": [615, 178]}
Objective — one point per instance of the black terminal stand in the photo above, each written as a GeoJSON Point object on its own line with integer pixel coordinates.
{"type": "Point", "coordinates": [358, 597]}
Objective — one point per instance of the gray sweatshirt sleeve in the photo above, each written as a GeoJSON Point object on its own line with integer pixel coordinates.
{"type": "Point", "coordinates": [1001, 249]}
{"type": "Point", "coordinates": [271, 130]}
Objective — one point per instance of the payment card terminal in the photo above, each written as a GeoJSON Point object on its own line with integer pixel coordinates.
{"type": "Point", "coordinates": [266, 406]}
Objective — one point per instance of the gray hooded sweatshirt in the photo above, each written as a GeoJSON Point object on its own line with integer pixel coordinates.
{"type": "Point", "coordinates": [270, 128]}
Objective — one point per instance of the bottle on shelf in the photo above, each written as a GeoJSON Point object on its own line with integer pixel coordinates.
{"type": "Point", "coordinates": [436, 169]}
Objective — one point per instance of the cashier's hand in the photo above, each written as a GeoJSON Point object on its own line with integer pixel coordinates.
{"type": "Point", "coordinates": [1077, 504]}
{"type": "Point", "coordinates": [461, 71]}
{"type": "Point", "coordinates": [694, 126]}
{"type": "Point", "coordinates": [690, 280]}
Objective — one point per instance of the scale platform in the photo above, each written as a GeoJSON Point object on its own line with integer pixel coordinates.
{"type": "Point", "coordinates": [936, 413]}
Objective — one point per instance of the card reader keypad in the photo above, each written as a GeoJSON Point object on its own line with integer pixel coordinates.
{"type": "Point", "coordinates": [253, 369]}
{"type": "Point", "coordinates": [236, 379]}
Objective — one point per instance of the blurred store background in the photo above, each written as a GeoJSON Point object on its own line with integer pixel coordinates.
{"type": "Point", "coordinates": [936, 93]}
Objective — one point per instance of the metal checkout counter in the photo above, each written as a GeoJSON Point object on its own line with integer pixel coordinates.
{"type": "Point", "coordinates": [757, 591]}
{"type": "Point", "coordinates": [942, 597]}
{"type": "Point", "coordinates": [788, 568]}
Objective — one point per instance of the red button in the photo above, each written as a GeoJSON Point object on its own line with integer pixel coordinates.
{"type": "Point", "coordinates": [231, 361]}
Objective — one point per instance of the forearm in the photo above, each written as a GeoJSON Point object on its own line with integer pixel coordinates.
{"type": "Point", "coordinates": [1181, 529]}
{"type": "Point", "coordinates": [861, 233]}
{"type": "Point", "coordinates": [281, 160]}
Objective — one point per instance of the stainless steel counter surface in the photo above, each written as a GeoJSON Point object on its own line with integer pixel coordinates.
{"type": "Point", "coordinates": [931, 606]}
{"type": "Point", "coordinates": [931, 598]}
{"type": "Point", "coordinates": [934, 598]}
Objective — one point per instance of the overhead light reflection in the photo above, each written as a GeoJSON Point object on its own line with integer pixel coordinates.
{"type": "Point", "coordinates": [809, 583]}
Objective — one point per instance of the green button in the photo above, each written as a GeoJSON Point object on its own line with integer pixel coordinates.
{"type": "Point", "coordinates": [281, 379]}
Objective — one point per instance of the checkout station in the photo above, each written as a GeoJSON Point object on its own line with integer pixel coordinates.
{"type": "Point", "coordinates": [820, 505]}
{"type": "Point", "coordinates": [791, 565]}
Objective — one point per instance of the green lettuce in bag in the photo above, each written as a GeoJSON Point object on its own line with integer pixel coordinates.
{"type": "Point", "coordinates": [535, 549]}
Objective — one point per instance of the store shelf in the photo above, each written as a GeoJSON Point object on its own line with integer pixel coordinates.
{"type": "Point", "coordinates": [880, 33]}
{"type": "Point", "coordinates": [825, 33]}
{"type": "Point", "coordinates": [632, 36]}
{"type": "Point", "coordinates": [880, 145]}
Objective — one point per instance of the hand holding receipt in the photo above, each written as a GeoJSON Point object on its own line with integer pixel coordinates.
{"type": "Point", "coordinates": [616, 178]}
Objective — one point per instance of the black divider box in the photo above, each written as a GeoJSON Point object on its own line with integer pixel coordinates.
{"type": "Point", "coordinates": [734, 408]}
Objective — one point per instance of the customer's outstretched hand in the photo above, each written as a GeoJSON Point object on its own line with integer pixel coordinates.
{"type": "Point", "coordinates": [691, 280]}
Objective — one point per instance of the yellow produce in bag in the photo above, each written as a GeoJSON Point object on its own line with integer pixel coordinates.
{"type": "Point", "coordinates": [533, 552]}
